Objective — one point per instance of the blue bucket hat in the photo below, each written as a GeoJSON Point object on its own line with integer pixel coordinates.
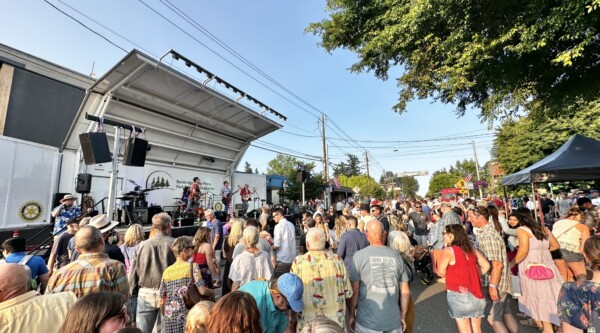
{"type": "Point", "coordinates": [291, 287]}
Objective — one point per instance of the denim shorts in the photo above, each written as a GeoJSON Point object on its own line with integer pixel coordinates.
{"type": "Point", "coordinates": [465, 305]}
{"type": "Point", "coordinates": [571, 256]}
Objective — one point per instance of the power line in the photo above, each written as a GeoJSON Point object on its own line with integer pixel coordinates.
{"type": "Point", "coordinates": [279, 152]}
{"type": "Point", "coordinates": [85, 26]}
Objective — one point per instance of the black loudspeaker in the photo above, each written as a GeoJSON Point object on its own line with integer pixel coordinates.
{"type": "Point", "coordinates": [135, 152]}
{"type": "Point", "coordinates": [153, 210]}
{"type": "Point", "coordinates": [221, 216]}
{"type": "Point", "coordinates": [95, 148]}
{"type": "Point", "coordinates": [302, 176]}
{"type": "Point", "coordinates": [84, 183]}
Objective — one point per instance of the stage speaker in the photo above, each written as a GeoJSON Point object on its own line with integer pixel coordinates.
{"type": "Point", "coordinates": [95, 148]}
{"type": "Point", "coordinates": [153, 210]}
{"type": "Point", "coordinates": [84, 183]}
{"type": "Point", "coordinates": [135, 152]}
{"type": "Point", "coordinates": [221, 216]}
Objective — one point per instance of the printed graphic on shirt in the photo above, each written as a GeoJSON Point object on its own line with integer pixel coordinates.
{"type": "Point", "coordinates": [383, 271]}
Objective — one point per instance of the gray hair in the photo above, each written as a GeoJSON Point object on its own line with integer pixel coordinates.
{"type": "Point", "coordinates": [161, 221]}
{"type": "Point", "coordinates": [315, 239]}
{"type": "Point", "coordinates": [322, 324]}
{"type": "Point", "coordinates": [399, 241]}
{"type": "Point", "coordinates": [181, 243]}
{"type": "Point", "coordinates": [209, 212]}
{"type": "Point", "coordinates": [250, 236]}
{"type": "Point", "coordinates": [88, 238]}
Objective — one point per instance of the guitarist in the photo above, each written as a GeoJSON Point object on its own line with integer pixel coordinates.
{"type": "Point", "coordinates": [194, 195]}
{"type": "Point", "coordinates": [245, 194]}
{"type": "Point", "coordinates": [226, 195]}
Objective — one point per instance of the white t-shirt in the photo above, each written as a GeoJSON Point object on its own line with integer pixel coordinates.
{"type": "Point", "coordinates": [285, 239]}
{"type": "Point", "coordinates": [249, 266]}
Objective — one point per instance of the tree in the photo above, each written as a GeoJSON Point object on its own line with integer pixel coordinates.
{"type": "Point", "coordinates": [349, 168]}
{"type": "Point", "coordinates": [463, 168]}
{"type": "Point", "coordinates": [497, 56]}
{"type": "Point", "coordinates": [440, 181]}
{"type": "Point", "coordinates": [520, 143]}
{"type": "Point", "coordinates": [410, 186]}
{"type": "Point", "coordinates": [285, 165]}
{"type": "Point", "coordinates": [256, 171]}
{"type": "Point", "coordinates": [368, 186]}
{"type": "Point", "coordinates": [247, 167]}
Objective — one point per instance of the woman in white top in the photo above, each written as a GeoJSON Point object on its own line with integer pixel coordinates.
{"type": "Point", "coordinates": [571, 235]}
{"type": "Point", "coordinates": [251, 264]}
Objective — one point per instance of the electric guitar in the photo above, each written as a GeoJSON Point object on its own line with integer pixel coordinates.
{"type": "Point", "coordinates": [227, 198]}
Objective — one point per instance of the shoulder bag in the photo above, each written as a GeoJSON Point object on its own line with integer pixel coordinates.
{"type": "Point", "coordinates": [536, 271]}
{"type": "Point", "coordinates": [192, 295]}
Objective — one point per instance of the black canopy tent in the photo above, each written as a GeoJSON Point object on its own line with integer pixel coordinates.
{"type": "Point", "coordinates": [576, 159]}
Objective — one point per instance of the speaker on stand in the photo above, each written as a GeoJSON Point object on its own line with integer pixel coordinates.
{"type": "Point", "coordinates": [94, 146]}
{"type": "Point", "coordinates": [135, 152]}
{"type": "Point", "coordinates": [84, 183]}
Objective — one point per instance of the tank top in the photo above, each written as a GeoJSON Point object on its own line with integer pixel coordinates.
{"type": "Point", "coordinates": [464, 273]}
{"type": "Point", "coordinates": [200, 258]}
{"type": "Point", "coordinates": [567, 234]}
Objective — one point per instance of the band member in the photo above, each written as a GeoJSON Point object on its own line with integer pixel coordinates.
{"type": "Point", "coordinates": [226, 194]}
{"type": "Point", "coordinates": [194, 195]}
{"type": "Point", "coordinates": [245, 194]}
{"type": "Point", "coordinates": [64, 212]}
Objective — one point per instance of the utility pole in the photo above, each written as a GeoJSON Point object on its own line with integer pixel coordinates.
{"type": "Point", "coordinates": [325, 161]}
{"type": "Point", "coordinates": [367, 162]}
{"type": "Point", "coordinates": [477, 168]}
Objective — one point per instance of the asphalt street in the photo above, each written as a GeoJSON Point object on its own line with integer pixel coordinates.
{"type": "Point", "coordinates": [431, 310]}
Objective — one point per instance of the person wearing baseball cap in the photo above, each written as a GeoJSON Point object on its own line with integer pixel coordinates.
{"type": "Point", "coordinates": [274, 299]}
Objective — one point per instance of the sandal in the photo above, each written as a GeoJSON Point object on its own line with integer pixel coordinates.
{"type": "Point", "coordinates": [530, 322]}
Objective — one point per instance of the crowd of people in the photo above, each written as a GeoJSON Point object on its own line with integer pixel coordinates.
{"type": "Point", "coordinates": [344, 268]}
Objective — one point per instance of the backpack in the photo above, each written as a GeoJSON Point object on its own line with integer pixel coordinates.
{"type": "Point", "coordinates": [32, 282]}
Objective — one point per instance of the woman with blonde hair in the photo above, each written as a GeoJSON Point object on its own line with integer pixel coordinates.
{"type": "Point", "coordinates": [229, 243]}
{"type": "Point", "coordinates": [338, 229]}
{"type": "Point", "coordinates": [571, 235]}
{"type": "Point", "coordinates": [197, 318]}
{"type": "Point", "coordinates": [251, 264]}
{"type": "Point", "coordinates": [203, 256]}
{"type": "Point", "coordinates": [133, 237]}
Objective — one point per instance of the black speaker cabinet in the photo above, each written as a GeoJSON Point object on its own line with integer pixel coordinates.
{"type": "Point", "coordinates": [135, 152]}
{"type": "Point", "coordinates": [95, 148]}
{"type": "Point", "coordinates": [221, 216]}
{"type": "Point", "coordinates": [84, 183]}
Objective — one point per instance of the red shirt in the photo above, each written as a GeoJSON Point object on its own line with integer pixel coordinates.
{"type": "Point", "coordinates": [464, 273]}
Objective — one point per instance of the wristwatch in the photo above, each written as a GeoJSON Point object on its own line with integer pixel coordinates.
{"type": "Point", "coordinates": [493, 286]}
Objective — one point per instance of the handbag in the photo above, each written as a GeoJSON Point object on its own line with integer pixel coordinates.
{"type": "Point", "coordinates": [192, 295]}
{"type": "Point", "coordinates": [537, 271]}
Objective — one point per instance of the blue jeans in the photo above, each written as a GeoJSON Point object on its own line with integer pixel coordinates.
{"type": "Point", "coordinates": [421, 239]}
{"type": "Point", "coordinates": [148, 317]}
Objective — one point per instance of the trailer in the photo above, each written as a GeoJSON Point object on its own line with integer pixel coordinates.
{"type": "Point", "coordinates": [196, 125]}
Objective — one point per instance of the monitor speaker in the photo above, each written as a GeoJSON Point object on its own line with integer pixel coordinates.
{"type": "Point", "coordinates": [84, 183]}
{"type": "Point", "coordinates": [135, 152]}
{"type": "Point", "coordinates": [95, 148]}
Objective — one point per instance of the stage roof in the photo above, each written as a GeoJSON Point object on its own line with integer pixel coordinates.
{"type": "Point", "coordinates": [187, 122]}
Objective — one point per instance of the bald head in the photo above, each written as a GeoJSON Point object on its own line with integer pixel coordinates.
{"type": "Point", "coordinates": [14, 281]}
{"type": "Point", "coordinates": [89, 240]}
{"type": "Point", "coordinates": [375, 231]}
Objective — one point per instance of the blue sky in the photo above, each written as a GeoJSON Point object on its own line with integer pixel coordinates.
{"type": "Point", "coordinates": [270, 35]}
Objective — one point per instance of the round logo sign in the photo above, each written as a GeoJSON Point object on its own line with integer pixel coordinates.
{"type": "Point", "coordinates": [30, 211]}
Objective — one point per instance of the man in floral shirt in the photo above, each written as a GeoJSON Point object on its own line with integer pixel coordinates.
{"type": "Point", "coordinates": [326, 284]}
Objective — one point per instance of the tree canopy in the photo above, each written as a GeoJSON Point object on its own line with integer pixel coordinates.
{"type": "Point", "coordinates": [285, 165]}
{"type": "Point", "coordinates": [440, 181]}
{"type": "Point", "coordinates": [522, 142]}
{"type": "Point", "coordinates": [368, 186]}
{"type": "Point", "coordinates": [497, 56]}
{"type": "Point", "coordinates": [247, 167]}
{"type": "Point", "coordinates": [350, 168]}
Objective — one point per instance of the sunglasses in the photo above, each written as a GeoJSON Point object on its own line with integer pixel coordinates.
{"type": "Point", "coordinates": [418, 207]}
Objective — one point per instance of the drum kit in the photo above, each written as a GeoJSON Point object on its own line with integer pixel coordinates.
{"type": "Point", "coordinates": [136, 210]}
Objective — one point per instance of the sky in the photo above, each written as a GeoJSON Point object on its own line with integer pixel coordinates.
{"type": "Point", "coordinates": [270, 35]}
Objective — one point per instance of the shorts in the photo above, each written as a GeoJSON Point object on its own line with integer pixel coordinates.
{"type": "Point", "coordinates": [496, 310]}
{"type": "Point", "coordinates": [570, 256]}
{"type": "Point", "coordinates": [465, 305]}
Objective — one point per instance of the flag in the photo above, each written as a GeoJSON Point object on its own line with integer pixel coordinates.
{"type": "Point", "coordinates": [468, 178]}
{"type": "Point", "coordinates": [335, 182]}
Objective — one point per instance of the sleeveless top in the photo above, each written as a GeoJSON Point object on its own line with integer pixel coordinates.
{"type": "Point", "coordinates": [200, 258]}
{"type": "Point", "coordinates": [464, 273]}
{"type": "Point", "coordinates": [569, 239]}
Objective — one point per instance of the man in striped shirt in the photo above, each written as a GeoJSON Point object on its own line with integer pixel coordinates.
{"type": "Point", "coordinates": [93, 271]}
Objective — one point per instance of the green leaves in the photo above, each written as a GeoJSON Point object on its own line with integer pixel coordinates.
{"type": "Point", "coordinates": [502, 57]}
